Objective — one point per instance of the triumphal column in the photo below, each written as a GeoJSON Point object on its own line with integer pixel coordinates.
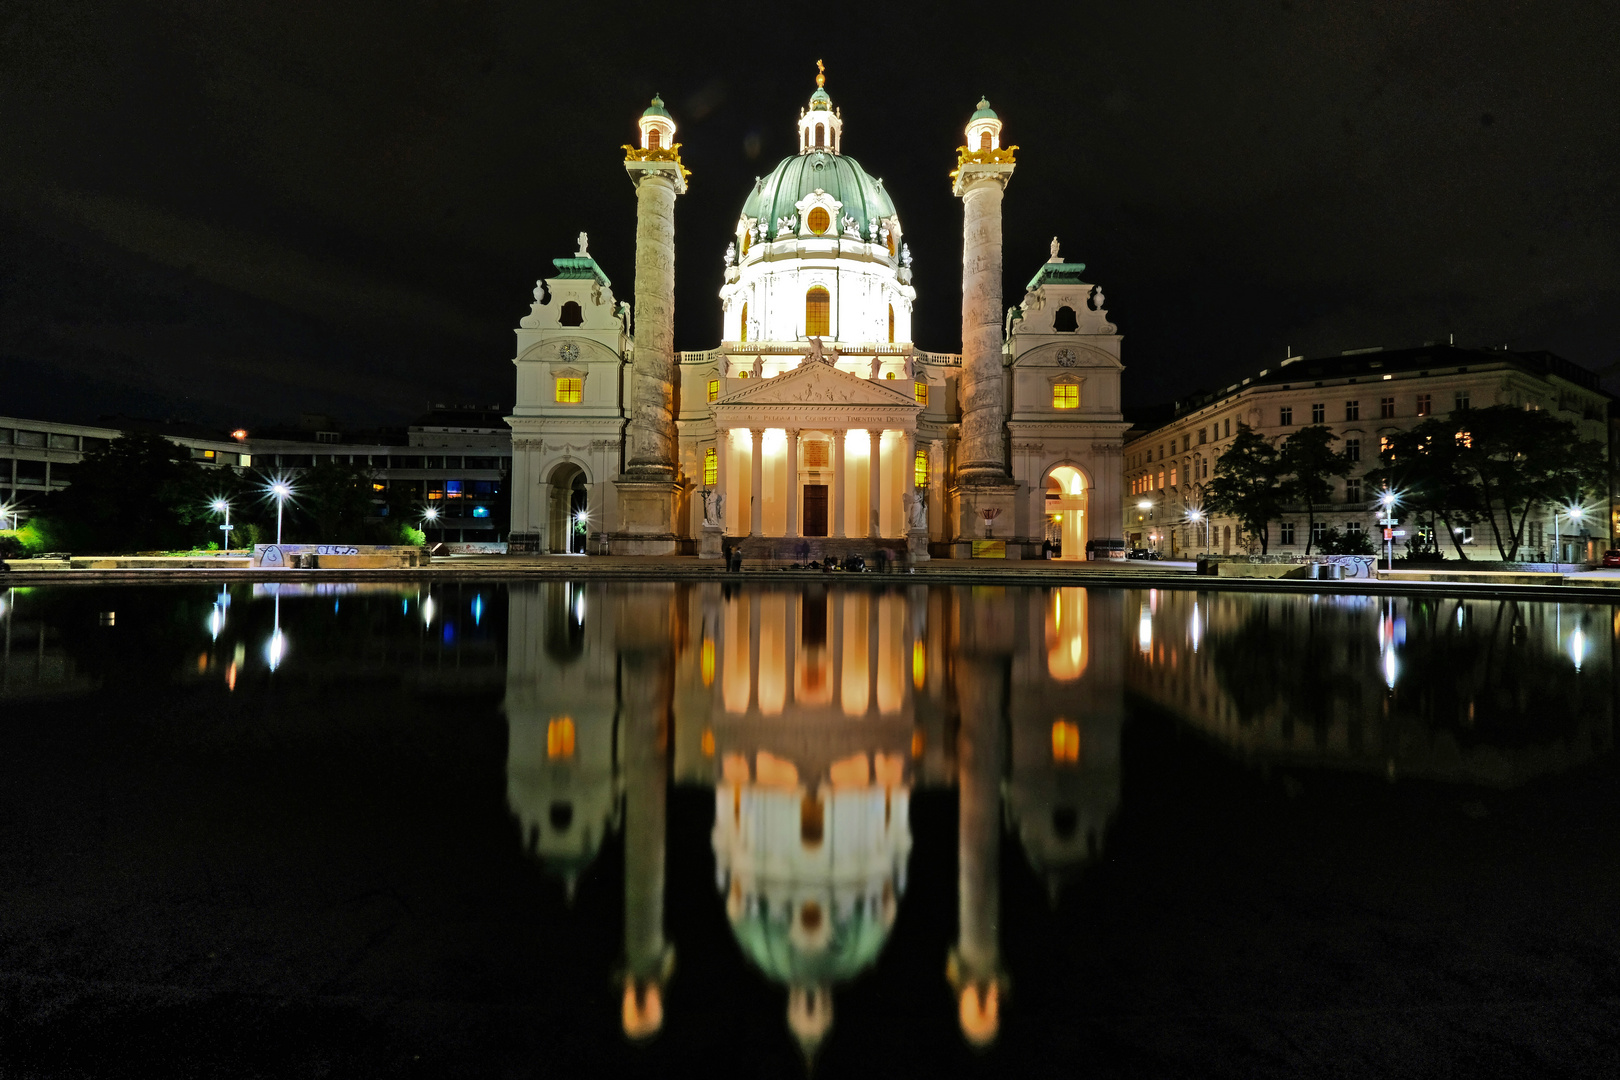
{"type": "Point", "coordinates": [983, 484]}
{"type": "Point", "coordinates": [647, 487]}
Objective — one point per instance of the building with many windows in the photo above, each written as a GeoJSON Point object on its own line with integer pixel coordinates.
{"type": "Point", "coordinates": [454, 460]}
{"type": "Point", "coordinates": [1363, 397]}
{"type": "Point", "coordinates": [816, 425]}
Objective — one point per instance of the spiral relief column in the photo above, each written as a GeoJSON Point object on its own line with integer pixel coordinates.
{"type": "Point", "coordinates": [982, 481]}
{"type": "Point", "coordinates": [647, 488]}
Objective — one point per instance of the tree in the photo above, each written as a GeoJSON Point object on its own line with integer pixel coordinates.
{"type": "Point", "coordinates": [139, 492]}
{"type": "Point", "coordinates": [1494, 465]}
{"type": "Point", "coordinates": [1248, 483]}
{"type": "Point", "coordinates": [333, 501]}
{"type": "Point", "coordinates": [1308, 460]}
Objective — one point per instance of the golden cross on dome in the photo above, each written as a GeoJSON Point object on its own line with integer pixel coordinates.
{"type": "Point", "coordinates": [821, 75]}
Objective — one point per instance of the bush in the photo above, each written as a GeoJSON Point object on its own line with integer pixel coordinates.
{"type": "Point", "coordinates": [1347, 543]}
{"type": "Point", "coordinates": [412, 537]}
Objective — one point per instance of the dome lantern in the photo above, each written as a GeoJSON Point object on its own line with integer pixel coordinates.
{"type": "Point", "coordinates": [984, 128]}
{"type": "Point", "coordinates": [821, 127]}
{"type": "Point", "coordinates": [657, 126]}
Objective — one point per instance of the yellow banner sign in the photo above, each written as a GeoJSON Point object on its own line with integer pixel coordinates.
{"type": "Point", "coordinates": [989, 549]}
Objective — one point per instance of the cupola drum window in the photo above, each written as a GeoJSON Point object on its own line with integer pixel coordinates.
{"type": "Point", "coordinates": [821, 136]}
{"type": "Point", "coordinates": [817, 313]}
{"type": "Point", "coordinates": [984, 140]}
{"type": "Point", "coordinates": [819, 220]}
{"type": "Point", "coordinates": [743, 332]}
{"type": "Point", "coordinates": [570, 391]}
{"type": "Point", "coordinates": [891, 324]}
{"type": "Point", "coordinates": [654, 139]}
{"type": "Point", "coordinates": [1065, 396]}
{"type": "Point", "coordinates": [921, 390]}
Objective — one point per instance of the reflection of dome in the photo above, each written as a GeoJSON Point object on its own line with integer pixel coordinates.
{"type": "Point", "coordinates": [775, 938]}
{"type": "Point", "coordinates": [839, 175]}
{"type": "Point", "coordinates": [561, 787]}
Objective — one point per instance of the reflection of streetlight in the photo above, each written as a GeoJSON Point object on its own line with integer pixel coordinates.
{"type": "Point", "coordinates": [279, 489]}
{"type": "Point", "coordinates": [278, 642]}
{"type": "Point", "coordinates": [1388, 521]}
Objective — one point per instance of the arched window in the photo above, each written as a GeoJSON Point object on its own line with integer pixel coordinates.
{"type": "Point", "coordinates": [1064, 321]}
{"type": "Point", "coordinates": [984, 140]}
{"type": "Point", "coordinates": [821, 137]}
{"type": "Point", "coordinates": [818, 220]}
{"type": "Point", "coordinates": [891, 241]}
{"type": "Point", "coordinates": [711, 469]}
{"type": "Point", "coordinates": [817, 313]}
{"type": "Point", "coordinates": [745, 238]}
{"type": "Point", "coordinates": [571, 315]}
{"type": "Point", "coordinates": [654, 139]}
{"type": "Point", "coordinates": [891, 324]}
{"type": "Point", "coordinates": [743, 336]}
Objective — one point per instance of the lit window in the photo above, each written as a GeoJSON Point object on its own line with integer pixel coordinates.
{"type": "Point", "coordinates": [745, 246]}
{"type": "Point", "coordinates": [984, 140]}
{"type": "Point", "coordinates": [570, 391]}
{"type": "Point", "coordinates": [711, 467]}
{"type": "Point", "coordinates": [560, 738]}
{"type": "Point", "coordinates": [480, 512]}
{"type": "Point", "coordinates": [891, 324]}
{"type": "Point", "coordinates": [818, 220]}
{"type": "Point", "coordinates": [920, 389]}
{"type": "Point", "coordinates": [1161, 479]}
{"type": "Point", "coordinates": [743, 335]}
{"type": "Point", "coordinates": [1065, 396]}
{"type": "Point", "coordinates": [921, 468]}
{"type": "Point", "coordinates": [1065, 741]}
{"type": "Point", "coordinates": [817, 313]}
{"type": "Point", "coordinates": [714, 389]}
{"type": "Point", "coordinates": [654, 137]}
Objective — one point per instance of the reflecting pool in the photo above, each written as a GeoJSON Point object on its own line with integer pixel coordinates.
{"type": "Point", "coordinates": [600, 829]}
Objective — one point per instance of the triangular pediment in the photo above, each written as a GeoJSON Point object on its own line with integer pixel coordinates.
{"type": "Point", "coordinates": [818, 383]}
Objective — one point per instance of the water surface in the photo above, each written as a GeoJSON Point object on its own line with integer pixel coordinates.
{"type": "Point", "coordinates": [597, 829]}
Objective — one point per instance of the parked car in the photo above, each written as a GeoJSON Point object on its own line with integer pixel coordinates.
{"type": "Point", "coordinates": [1141, 553]}
{"type": "Point", "coordinates": [1611, 558]}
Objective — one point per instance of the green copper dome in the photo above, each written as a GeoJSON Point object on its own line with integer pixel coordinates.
{"type": "Point", "coordinates": [853, 946]}
{"type": "Point", "coordinates": [985, 112]}
{"type": "Point", "coordinates": [839, 175]}
{"type": "Point", "coordinates": [820, 101]}
{"type": "Point", "coordinates": [656, 108]}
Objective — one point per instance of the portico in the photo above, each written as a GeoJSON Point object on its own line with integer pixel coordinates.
{"type": "Point", "coordinates": [814, 452]}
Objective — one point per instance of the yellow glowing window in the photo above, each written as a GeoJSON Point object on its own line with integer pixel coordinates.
{"type": "Point", "coordinates": [560, 738]}
{"type": "Point", "coordinates": [891, 324]}
{"type": "Point", "coordinates": [1065, 396]}
{"type": "Point", "coordinates": [745, 241]}
{"type": "Point", "coordinates": [921, 392]}
{"type": "Point", "coordinates": [920, 467]}
{"type": "Point", "coordinates": [891, 241]}
{"type": "Point", "coordinates": [714, 389]}
{"type": "Point", "coordinates": [1065, 741]}
{"type": "Point", "coordinates": [817, 313]}
{"type": "Point", "coordinates": [707, 660]}
{"type": "Point", "coordinates": [711, 467]}
{"type": "Point", "coordinates": [818, 220]}
{"type": "Point", "coordinates": [208, 455]}
{"type": "Point", "coordinates": [570, 391]}
{"type": "Point", "coordinates": [1172, 477]}
{"type": "Point", "coordinates": [743, 336]}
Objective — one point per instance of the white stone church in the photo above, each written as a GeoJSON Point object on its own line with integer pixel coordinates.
{"type": "Point", "coordinates": [816, 427]}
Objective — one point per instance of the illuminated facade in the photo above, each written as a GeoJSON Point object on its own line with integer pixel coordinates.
{"type": "Point", "coordinates": [813, 717]}
{"type": "Point", "coordinates": [816, 425]}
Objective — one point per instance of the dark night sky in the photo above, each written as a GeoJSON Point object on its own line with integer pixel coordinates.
{"type": "Point", "coordinates": [235, 212]}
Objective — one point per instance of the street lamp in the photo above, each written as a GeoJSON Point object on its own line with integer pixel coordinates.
{"type": "Point", "coordinates": [1388, 522]}
{"type": "Point", "coordinates": [279, 489]}
{"type": "Point", "coordinates": [1575, 513]}
{"type": "Point", "coordinates": [1147, 505]}
{"type": "Point", "coordinates": [223, 506]}
{"type": "Point", "coordinates": [1197, 517]}
{"type": "Point", "coordinates": [429, 516]}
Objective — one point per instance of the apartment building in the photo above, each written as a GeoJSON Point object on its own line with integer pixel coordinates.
{"type": "Point", "coordinates": [1363, 396]}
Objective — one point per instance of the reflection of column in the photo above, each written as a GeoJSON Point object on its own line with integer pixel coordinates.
{"type": "Point", "coordinates": [793, 482]}
{"type": "Point", "coordinates": [722, 450]}
{"type": "Point", "coordinates": [756, 511]}
{"type": "Point", "coordinates": [840, 482]}
{"type": "Point", "coordinates": [874, 633]}
{"type": "Point", "coordinates": [754, 614]}
{"type": "Point", "coordinates": [874, 487]}
{"type": "Point", "coordinates": [790, 644]}
{"type": "Point", "coordinates": [648, 958]}
{"type": "Point", "coordinates": [975, 965]}
{"type": "Point", "coordinates": [837, 616]}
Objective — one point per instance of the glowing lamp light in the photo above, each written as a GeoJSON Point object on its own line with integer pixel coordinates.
{"type": "Point", "coordinates": [240, 434]}
{"type": "Point", "coordinates": [1144, 505]}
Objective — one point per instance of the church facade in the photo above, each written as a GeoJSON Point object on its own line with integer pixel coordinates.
{"type": "Point", "coordinates": [816, 427]}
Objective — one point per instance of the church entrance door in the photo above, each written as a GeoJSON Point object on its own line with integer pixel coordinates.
{"type": "Point", "coordinates": [815, 509]}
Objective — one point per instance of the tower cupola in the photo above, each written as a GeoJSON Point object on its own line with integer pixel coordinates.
{"type": "Point", "coordinates": [821, 127]}
{"type": "Point", "coordinates": [984, 128]}
{"type": "Point", "coordinates": [657, 126]}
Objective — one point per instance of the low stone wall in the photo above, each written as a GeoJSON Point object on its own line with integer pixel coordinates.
{"type": "Point", "coordinates": [1474, 577]}
{"type": "Point", "coordinates": [336, 556]}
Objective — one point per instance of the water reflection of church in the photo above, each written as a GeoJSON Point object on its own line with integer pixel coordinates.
{"type": "Point", "coordinates": [813, 716]}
